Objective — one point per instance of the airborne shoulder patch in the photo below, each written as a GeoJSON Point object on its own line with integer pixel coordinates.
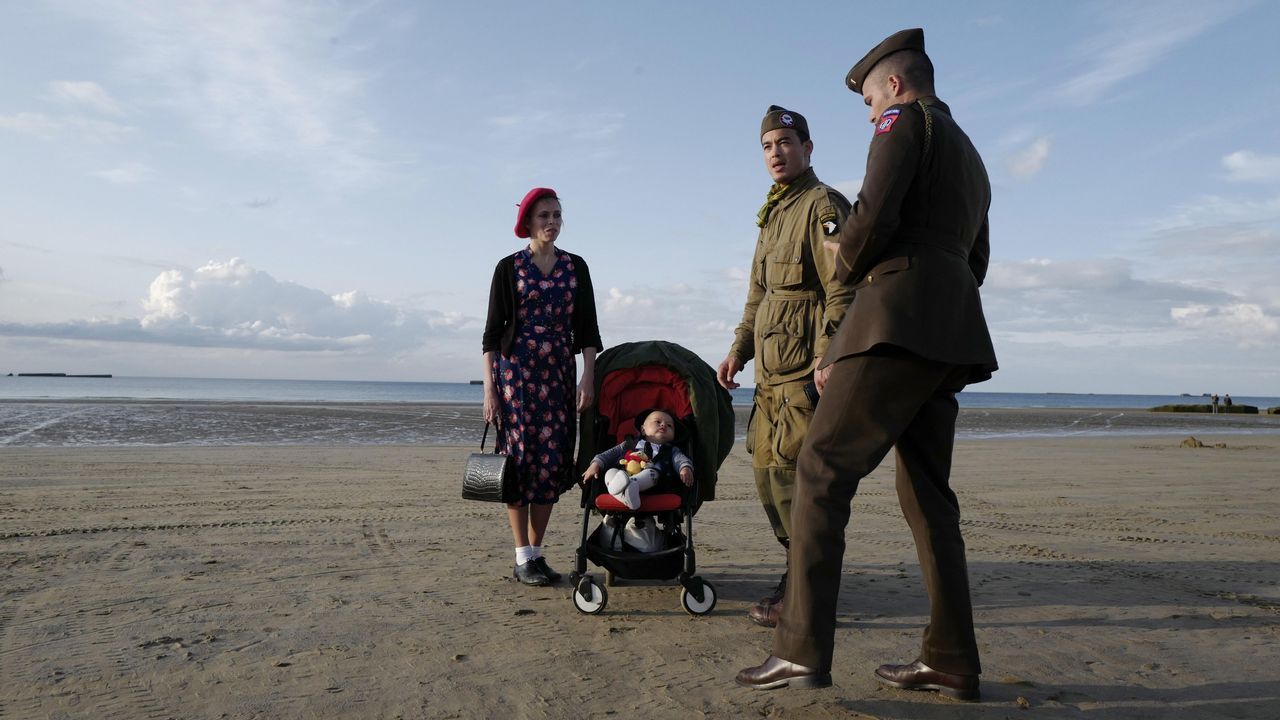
{"type": "Point", "coordinates": [887, 120]}
{"type": "Point", "coordinates": [830, 224]}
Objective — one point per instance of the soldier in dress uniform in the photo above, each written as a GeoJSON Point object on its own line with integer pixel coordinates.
{"type": "Point", "coordinates": [794, 305]}
{"type": "Point", "coordinates": [914, 250]}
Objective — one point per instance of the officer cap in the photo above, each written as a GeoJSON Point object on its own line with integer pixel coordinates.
{"type": "Point", "coordinates": [912, 39]}
{"type": "Point", "coordinates": [777, 118]}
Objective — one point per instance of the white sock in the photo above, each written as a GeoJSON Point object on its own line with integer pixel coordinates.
{"type": "Point", "coordinates": [535, 552]}
{"type": "Point", "coordinates": [524, 554]}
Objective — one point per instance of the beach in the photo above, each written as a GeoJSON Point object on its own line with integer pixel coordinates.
{"type": "Point", "coordinates": [1113, 575]}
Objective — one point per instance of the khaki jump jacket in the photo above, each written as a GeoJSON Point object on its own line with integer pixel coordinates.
{"type": "Point", "coordinates": [794, 300]}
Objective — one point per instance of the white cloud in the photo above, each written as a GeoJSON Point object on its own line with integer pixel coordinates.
{"type": "Point", "coordinates": [257, 77]}
{"type": "Point", "coordinates": [127, 174]}
{"type": "Point", "coordinates": [1031, 159]}
{"type": "Point", "coordinates": [1245, 324]}
{"type": "Point", "coordinates": [1086, 303]}
{"type": "Point", "coordinates": [1135, 39]}
{"type": "Point", "coordinates": [47, 128]}
{"type": "Point", "coordinates": [1246, 166]}
{"type": "Point", "coordinates": [232, 305]}
{"type": "Point", "coordinates": [85, 93]}
{"type": "Point", "coordinates": [849, 188]}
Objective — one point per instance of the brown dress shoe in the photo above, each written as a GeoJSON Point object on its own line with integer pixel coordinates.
{"type": "Point", "coordinates": [776, 672]}
{"type": "Point", "coordinates": [766, 615]}
{"type": "Point", "coordinates": [918, 676]}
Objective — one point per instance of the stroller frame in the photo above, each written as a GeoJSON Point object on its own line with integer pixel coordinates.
{"type": "Point", "coordinates": [697, 597]}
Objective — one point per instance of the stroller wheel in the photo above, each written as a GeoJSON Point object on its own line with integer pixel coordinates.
{"type": "Point", "coordinates": [695, 607]}
{"type": "Point", "coordinates": [590, 597]}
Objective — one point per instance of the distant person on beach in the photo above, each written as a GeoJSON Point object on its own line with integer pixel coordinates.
{"type": "Point", "coordinates": [794, 305]}
{"type": "Point", "coordinates": [542, 313]}
{"type": "Point", "coordinates": [915, 249]}
{"type": "Point", "coordinates": [1214, 398]}
{"type": "Point", "coordinates": [1226, 399]}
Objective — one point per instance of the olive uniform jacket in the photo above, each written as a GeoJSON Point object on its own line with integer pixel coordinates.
{"type": "Point", "coordinates": [794, 301]}
{"type": "Point", "coordinates": [915, 247]}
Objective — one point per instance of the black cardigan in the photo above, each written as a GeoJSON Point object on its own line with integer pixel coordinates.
{"type": "Point", "coordinates": [500, 327]}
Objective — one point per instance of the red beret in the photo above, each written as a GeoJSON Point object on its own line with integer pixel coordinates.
{"type": "Point", "coordinates": [526, 207]}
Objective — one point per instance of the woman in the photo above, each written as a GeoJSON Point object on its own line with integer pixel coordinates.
{"type": "Point", "coordinates": [541, 313]}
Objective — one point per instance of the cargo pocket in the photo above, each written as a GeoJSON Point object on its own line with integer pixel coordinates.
{"type": "Point", "coordinates": [787, 346]}
{"type": "Point", "coordinates": [784, 271]}
{"type": "Point", "coordinates": [794, 417]}
{"type": "Point", "coordinates": [751, 428]}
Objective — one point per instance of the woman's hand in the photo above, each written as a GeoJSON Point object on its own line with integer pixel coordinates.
{"type": "Point", "coordinates": [686, 476]}
{"type": "Point", "coordinates": [491, 404]}
{"type": "Point", "coordinates": [586, 393]}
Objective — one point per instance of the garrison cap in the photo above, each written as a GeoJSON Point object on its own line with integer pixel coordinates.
{"type": "Point", "coordinates": [777, 118]}
{"type": "Point", "coordinates": [912, 39]}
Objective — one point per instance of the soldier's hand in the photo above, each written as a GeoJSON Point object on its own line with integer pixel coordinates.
{"type": "Point", "coordinates": [820, 378]}
{"type": "Point", "coordinates": [726, 371]}
{"type": "Point", "coordinates": [832, 247]}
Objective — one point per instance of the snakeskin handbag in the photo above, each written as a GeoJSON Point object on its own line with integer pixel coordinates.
{"type": "Point", "coordinates": [489, 476]}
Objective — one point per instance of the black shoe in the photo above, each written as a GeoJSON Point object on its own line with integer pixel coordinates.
{"type": "Point", "coordinates": [541, 562]}
{"type": "Point", "coordinates": [530, 574]}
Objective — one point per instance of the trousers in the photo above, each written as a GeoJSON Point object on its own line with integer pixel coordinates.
{"type": "Point", "coordinates": [886, 398]}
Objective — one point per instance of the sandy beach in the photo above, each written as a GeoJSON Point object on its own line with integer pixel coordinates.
{"type": "Point", "coordinates": [1113, 577]}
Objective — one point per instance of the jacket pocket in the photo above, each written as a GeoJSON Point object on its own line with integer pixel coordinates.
{"type": "Point", "coordinates": [886, 267]}
{"type": "Point", "coordinates": [787, 342]}
{"type": "Point", "coordinates": [784, 271]}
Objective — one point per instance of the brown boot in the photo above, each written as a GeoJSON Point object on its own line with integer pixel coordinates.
{"type": "Point", "coordinates": [766, 615]}
{"type": "Point", "coordinates": [767, 611]}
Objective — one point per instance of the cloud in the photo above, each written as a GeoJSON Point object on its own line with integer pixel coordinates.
{"type": "Point", "coordinates": [47, 128]}
{"type": "Point", "coordinates": [2, 277]}
{"type": "Point", "coordinates": [1245, 324]}
{"type": "Point", "coordinates": [1086, 303]}
{"type": "Point", "coordinates": [1031, 159]}
{"type": "Point", "coordinates": [1135, 39]}
{"type": "Point", "coordinates": [127, 174]}
{"type": "Point", "coordinates": [849, 188]}
{"type": "Point", "coordinates": [89, 94]}
{"type": "Point", "coordinates": [256, 77]}
{"type": "Point", "coordinates": [1246, 166]}
{"type": "Point", "coordinates": [232, 305]}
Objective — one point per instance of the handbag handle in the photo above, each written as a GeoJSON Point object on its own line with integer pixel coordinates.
{"type": "Point", "coordinates": [485, 436]}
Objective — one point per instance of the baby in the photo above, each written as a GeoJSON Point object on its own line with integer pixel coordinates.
{"type": "Point", "coordinates": [647, 460]}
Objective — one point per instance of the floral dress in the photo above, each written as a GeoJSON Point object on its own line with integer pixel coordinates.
{"type": "Point", "coordinates": [537, 384]}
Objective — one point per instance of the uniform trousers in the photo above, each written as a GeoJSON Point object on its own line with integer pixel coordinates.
{"type": "Point", "coordinates": [874, 401]}
{"type": "Point", "coordinates": [775, 433]}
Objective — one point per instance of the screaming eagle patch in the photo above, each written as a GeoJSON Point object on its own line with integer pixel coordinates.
{"type": "Point", "coordinates": [886, 121]}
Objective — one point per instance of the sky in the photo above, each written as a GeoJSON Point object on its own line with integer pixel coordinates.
{"type": "Point", "coordinates": [320, 190]}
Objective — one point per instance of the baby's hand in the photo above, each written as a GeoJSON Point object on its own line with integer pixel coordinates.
{"type": "Point", "coordinates": [592, 471]}
{"type": "Point", "coordinates": [686, 474]}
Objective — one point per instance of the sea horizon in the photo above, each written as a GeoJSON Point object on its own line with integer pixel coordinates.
{"type": "Point", "coordinates": [123, 388]}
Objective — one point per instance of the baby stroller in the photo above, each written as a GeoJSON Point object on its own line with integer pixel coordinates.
{"type": "Point", "coordinates": [629, 379]}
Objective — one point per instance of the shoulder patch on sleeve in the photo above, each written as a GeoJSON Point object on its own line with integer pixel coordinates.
{"type": "Point", "coordinates": [830, 221]}
{"type": "Point", "coordinates": [887, 120]}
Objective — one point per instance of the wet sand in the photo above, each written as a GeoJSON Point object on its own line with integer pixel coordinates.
{"type": "Point", "coordinates": [1113, 577]}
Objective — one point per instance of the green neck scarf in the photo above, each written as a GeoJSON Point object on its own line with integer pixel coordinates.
{"type": "Point", "coordinates": [776, 193]}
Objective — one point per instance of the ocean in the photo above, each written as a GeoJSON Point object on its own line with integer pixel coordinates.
{"type": "Point", "coordinates": [360, 391]}
{"type": "Point", "coordinates": [137, 411]}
